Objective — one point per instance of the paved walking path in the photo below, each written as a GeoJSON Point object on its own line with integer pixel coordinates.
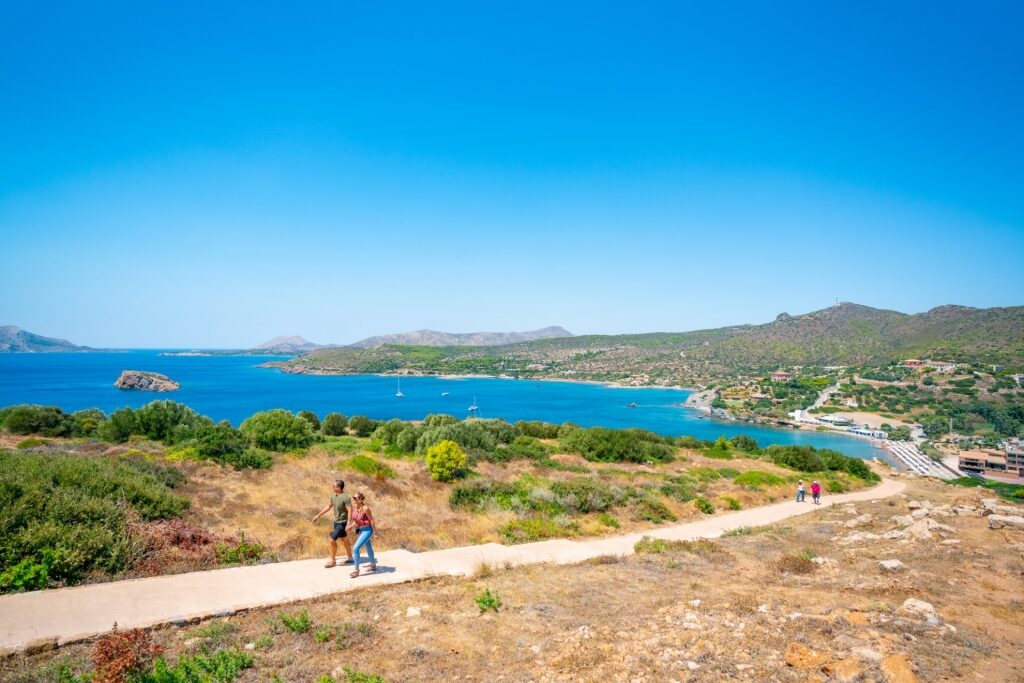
{"type": "Point", "coordinates": [30, 620]}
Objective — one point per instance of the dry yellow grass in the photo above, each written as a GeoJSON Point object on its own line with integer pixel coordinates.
{"type": "Point", "coordinates": [637, 618]}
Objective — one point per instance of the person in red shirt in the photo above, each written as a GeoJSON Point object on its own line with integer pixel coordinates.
{"type": "Point", "coordinates": [816, 492]}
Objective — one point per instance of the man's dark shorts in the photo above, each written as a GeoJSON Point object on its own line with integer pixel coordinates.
{"type": "Point", "coordinates": [338, 531]}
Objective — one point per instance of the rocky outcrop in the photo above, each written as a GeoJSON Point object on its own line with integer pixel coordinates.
{"type": "Point", "coordinates": [140, 380]}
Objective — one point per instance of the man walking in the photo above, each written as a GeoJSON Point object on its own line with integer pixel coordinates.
{"type": "Point", "coordinates": [340, 503]}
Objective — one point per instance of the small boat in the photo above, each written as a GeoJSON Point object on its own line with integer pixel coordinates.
{"type": "Point", "coordinates": [399, 393]}
{"type": "Point", "coordinates": [631, 405]}
{"type": "Point", "coordinates": [444, 393]}
{"type": "Point", "coordinates": [473, 408]}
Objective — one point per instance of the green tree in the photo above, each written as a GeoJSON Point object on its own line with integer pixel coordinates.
{"type": "Point", "coordinates": [86, 422]}
{"type": "Point", "coordinates": [362, 425]}
{"type": "Point", "coordinates": [446, 460]}
{"type": "Point", "coordinates": [278, 430]}
{"type": "Point", "coordinates": [334, 425]}
{"type": "Point", "coordinates": [119, 427]}
{"type": "Point", "coordinates": [311, 417]}
{"type": "Point", "coordinates": [222, 442]}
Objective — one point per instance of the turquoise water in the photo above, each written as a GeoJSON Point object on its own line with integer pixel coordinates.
{"type": "Point", "coordinates": [233, 387]}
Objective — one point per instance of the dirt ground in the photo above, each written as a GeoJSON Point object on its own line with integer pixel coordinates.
{"type": "Point", "coordinates": [749, 607]}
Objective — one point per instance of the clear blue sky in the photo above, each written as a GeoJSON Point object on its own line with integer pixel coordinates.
{"type": "Point", "coordinates": [206, 174]}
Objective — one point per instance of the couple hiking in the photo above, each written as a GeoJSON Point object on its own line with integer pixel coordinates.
{"type": "Point", "coordinates": [801, 492]}
{"type": "Point", "coordinates": [351, 513]}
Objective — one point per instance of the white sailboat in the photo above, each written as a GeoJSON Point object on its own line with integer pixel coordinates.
{"type": "Point", "coordinates": [399, 393]}
{"type": "Point", "coordinates": [473, 408]}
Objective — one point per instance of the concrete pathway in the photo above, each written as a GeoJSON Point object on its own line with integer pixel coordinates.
{"type": "Point", "coordinates": [43, 618]}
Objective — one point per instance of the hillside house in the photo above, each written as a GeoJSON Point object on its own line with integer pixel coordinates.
{"type": "Point", "coordinates": [781, 376]}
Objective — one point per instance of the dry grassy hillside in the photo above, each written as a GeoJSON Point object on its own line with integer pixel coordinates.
{"type": "Point", "coordinates": [803, 601]}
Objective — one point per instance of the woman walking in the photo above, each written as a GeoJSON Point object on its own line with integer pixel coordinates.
{"type": "Point", "coordinates": [361, 520]}
{"type": "Point", "coordinates": [816, 492]}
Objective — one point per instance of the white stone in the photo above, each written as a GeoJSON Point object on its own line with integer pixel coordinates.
{"type": "Point", "coordinates": [695, 602]}
{"type": "Point", "coordinates": [413, 612]}
{"type": "Point", "coordinates": [895, 533]}
{"type": "Point", "coordinates": [891, 566]}
{"type": "Point", "coordinates": [950, 541]}
{"type": "Point", "coordinates": [1005, 522]}
{"type": "Point", "coordinates": [867, 654]}
{"type": "Point", "coordinates": [920, 513]}
{"type": "Point", "coordinates": [902, 520]}
{"type": "Point", "coordinates": [921, 609]}
{"type": "Point", "coordinates": [250, 646]}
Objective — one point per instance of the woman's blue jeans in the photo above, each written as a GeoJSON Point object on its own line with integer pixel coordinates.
{"type": "Point", "coordinates": [363, 540]}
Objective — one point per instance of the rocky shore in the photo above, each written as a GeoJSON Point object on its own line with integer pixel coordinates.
{"type": "Point", "coordinates": [140, 380]}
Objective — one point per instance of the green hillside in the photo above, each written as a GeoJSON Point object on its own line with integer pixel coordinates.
{"type": "Point", "coordinates": [845, 334]}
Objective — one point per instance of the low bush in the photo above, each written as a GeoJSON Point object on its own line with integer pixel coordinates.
{"type": "Point", "coordinates": [704, 505]}
{"type": "Point", "coordinates": [478, 495]}
{"type": "Point", "coordinates": [755, 479]}
{"type": "Point", "coordinates": [222, 666]}
{"type": "Point", "coordinates": [731, 503]}
{"type": "Point", "coordinates": [26, 444]}
{"type": "Point", "coordinates": [536, 529]}
{"type": "Point", "coordinates": [278, 430]}
{"type": "Point", "coordinates": [617, 445]}
{"type": "Point", "coordinates": [64, 517]}
{"type": "Point", "coordinates": [299, 622]}
{"type": "Point", "coordinates": [487, 601]}
{"type": "Point", "coordinates": [583, 495]}
{"type": "Point", "coordinates": [240, 552]}
{"type": "Point", "coordinates": [652, 510]}
{"type": "Point", "coordinates": [446, 460]}
{"type": "Point", "coordinates": [701, 546]}
{"type": "Point", "coordinates": [794, 564]}
{"type": "Point", "coordinates": [334, 425]}
{"type": "Point", "coordinates": [362, 425]}
{"type": "Point", "coordinates": [371, 467]}
{"type": "Point", "coordinates": [1014, 492]}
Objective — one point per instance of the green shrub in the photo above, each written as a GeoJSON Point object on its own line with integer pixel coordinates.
{"type": "Point", "coordinates": [362, 425]}
{"type": "Point", "coordinates": [364, 464]}
{"type": "Point", "coordinates": [487, 601]}
{"type": "Point", "coordinates": [538, 430]}
{"type": "Point", "coordinates": [353, 676]}
{"type": "Point", "coordinates": [242, 552]}
{"type": "Point", "coordinates": [677, 488]}
{"type": "Point", "coordinates": [65, 516]}
{"type": "Point", "coordinates": [657, 546]}
{"type": "Point", "coordinates": [755, 479]}
{"type": "Point", "coordinates": [608, 520]}
{"type": "Point", "coordinates": [278, 430]}
{"type": "Point", "coordinates": [535, 529]}
{"type": "Point", "coordinates": [652, 510]}
{"type": "Point", "coordinates": [33, 419]}
{"type": "Point", "coordinates": [704, 505]}
{"type": "Point", "coordinates": [223, 666]}
{"type": "Point", "coordinates": [300, 622]}
{"type": "Point", "coordinates": [119, 427]}
{"type": "Point", "coordinates": [446, 460]}
{"type": "Point", "coordinates": [334, 425]}
{"type": "Point", "coordinates": [311, 417]}
{"type": "Point", "coordinates": [33, 442]}
{"type": "Point", "coordinates": [732, 503]}
{"type": "Point", "coordinates": [477, 495]}
{"type": "Point", "coordinates": [728, 472]}
{"type": "Point", "coordinates": [1014, 492]}
{"type": "Point", "coordinates": [617, 445]}
{"type": "Point", "coordinates": [583, 495]}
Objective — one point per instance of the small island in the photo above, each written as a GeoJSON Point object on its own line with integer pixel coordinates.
{"type": "Point", "coordinates": [140, 380]}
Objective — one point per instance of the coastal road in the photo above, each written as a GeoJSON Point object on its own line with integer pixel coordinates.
{"type": "Point", "coordinates": [41, 619]}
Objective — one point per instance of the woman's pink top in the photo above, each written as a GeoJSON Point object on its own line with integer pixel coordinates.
{"type": "Point", "coordinates": [360, 518]}
{"type": "Point", "coordinates": [815, 488]}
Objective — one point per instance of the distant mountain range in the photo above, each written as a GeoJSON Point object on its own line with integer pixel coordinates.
{"type": "Point", "coordinates": [434, 338]}
{"type": "Point", "coordinates": [16, 340]}
{"type": "Point", "coordinates": [844, 334]}
{"type": "Point", "coordinates": [293, 344]}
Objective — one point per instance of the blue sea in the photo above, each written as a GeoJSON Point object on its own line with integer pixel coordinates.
{"type": "Point", "coordinates": [234, 387]}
